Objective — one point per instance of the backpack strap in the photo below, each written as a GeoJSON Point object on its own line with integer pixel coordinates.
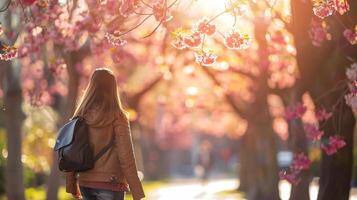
{"type": "Point", "coordinates": [106, 148]}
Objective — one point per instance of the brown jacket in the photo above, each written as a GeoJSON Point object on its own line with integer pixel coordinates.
{"type": "Point", "coordinates": [117, 163]}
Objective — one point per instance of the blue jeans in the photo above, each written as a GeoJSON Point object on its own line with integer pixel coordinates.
{"type": "Point", "coordinates": [100, 194]}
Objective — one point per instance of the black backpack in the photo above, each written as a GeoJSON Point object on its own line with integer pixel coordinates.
{"type": "Point", "coordinates": [73, 147]}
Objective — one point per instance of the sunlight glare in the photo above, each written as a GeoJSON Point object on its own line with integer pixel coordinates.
{"type": "Point", "coordinates": [212, 5]}
{"type": "Point", "coordinates": [212, 8]}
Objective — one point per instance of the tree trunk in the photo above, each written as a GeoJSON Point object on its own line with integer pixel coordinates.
{"type": "Point", "coordinates": [13, 123]}
{"type": "Point", "coordinates": [243, 168]}
{"type": "Point", "coordinates": [263, 180]}
{"type": "Point", "coordinates": [321, 70]}
{"type": "Point", "coordinates": [133, 102]}
{"type": "Point", "coordinates": [336, 170]}
{"type": "Point", "coordinates": [54, 178]}
{"type": "Point", "coordinates": [261, 162]}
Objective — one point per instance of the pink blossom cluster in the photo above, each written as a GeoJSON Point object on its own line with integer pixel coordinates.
{"type": "Point", "coordinates": [351, 72]}
{"type": "Point", "coordinates": [99, 46]}
{"type": "Point", "coordinates": [8, 52]}
{"type": "Point", "coordinates": [193, 40]}
{"type": "Point", "coordinates": [53, 23]}
{"type": "Point", "coordinates": [205, 58]}
{"type": "Point", "coordinates": [295, 111]}
{"type": "Point", "coordinates": [204, 27]}
{"type": "Point", "coordinates": [334, 143]}
{"type": "Point", "coordinates": [34, 39]}
{"type": "Point", "coordinates": [28, 2]}
{"type": "Point", "coordinates": [1, 30]}
{"type": "Point", "coordinates": [35, 87]}
{"type": "Point", "coordinates": [111, 7]}
{"type": "Point", "coordinates": [313, 132]}
{"type": "Point", "coordinates": [128, 6]}
{"type": "Point", "coordinates": [318, 32]}
{"type": "Point", "coordinates": [184, 40]}
{"type": "Point", "coordinates": [114, 40]}
{"type": "Point", "coordinates": [36, 35]}
{"type": "Point", "coordinates": [325, 8]}
{"type": "Point", "coordinates": [291, 176]}
{"type": "Point", "coordinates": [195, 37]}
{"type": "Point", "coordinates": [351, 35]}
{"type": "Point", "coordinates": [235, 40]}
{"type": "Point", "coordinates": [57, 66]}
{"type": "Point", "coordinates": [342, 6]}
{"type": "Point", "coordinates": [300, 162]}
{"type": "Point", "coordinates": [322, 115]}
{"type": "Point", "coordinates": [160, 11]}
{"type": "Point", "coordinates": [351, 98]}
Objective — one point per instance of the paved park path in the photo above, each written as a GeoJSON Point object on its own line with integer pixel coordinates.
{"type": "Point", "coordinates": [195, 190]}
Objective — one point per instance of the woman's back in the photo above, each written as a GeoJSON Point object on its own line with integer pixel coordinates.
{"type": "Point", "coordinates": [116, 169]}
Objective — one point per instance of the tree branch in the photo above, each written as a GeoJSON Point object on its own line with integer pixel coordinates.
{"type": "Point", "coordinates": [227, 96]}
{"type": "Point", "coordinates": [133, 100]}
{"type": "Point", "coordinates": [243, 73]}
{"type": "Point", "coordinates": [287, 25]}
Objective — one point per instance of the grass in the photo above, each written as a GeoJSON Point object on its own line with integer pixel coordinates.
{"type": "Point", "coordinates": [40, 193]}
{"type": "Point", "coordinates": [232, 194]}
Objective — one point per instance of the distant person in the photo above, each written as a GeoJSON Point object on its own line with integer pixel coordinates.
{"type": "Point", "coordinates": [114, 172]}
{"type": "Point", "coordinates": [205, 159]}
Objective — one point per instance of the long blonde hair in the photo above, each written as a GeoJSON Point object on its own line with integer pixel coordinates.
{"type": "Point", "coordinates": [101, 93]}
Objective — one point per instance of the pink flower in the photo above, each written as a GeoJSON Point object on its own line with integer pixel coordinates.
{"type": "Point", "coordinates": [117, 55]}
{"type": "Point", "coordinates": [204, 27]}
{"type": "Point", "coordinates": [57, 66]}
{"type": "Point", "coordinates": [351, 36]}
{"type": "Point", "coordinates": [179, 43]}
{"type": "Point", "coordinates": [342, 6]}
{"type": "Point", "coordinates": [127, 6]}
{"type": "Point", "coordinates": [351, 72]}
{"type": "Point", "coordinates": [334, 144]}
{"type": "Point", "coordinates": [324, 8]}
{"type": "Point", "coordinates": [300, 162]}
{"type": "Point", "coordinates": [323, 115]}
{"type": "Point", "coordinates": [28, 2]}
{"type": "Point", "coordinates": [8, 52]}
{"type": "Point", "coordinates": [205, 58]}
{"type": "Point", "coordinates": [295, 112]}
{"type": "Point", "coordinates": [236, 41]}
{"type": "Point", "coordinates": [291, 177]}
{"type": "Point", "coordinates": [114, 40]}
{"type": "Point", "coordinates": [313, 132]}
{"type": "Point", "coordinates": [160, 12]}
{"type": "Point", "coordinates": [351, 100]}
{"type": "Point", "coordinates": [193, 40]}
{"type": "Point", "coordinates": [1, 30]}
{"type": "Point", "coordinates": [318, 32]}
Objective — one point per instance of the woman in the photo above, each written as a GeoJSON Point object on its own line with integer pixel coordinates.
{"type": "Point", "coordinates": [116, 170]}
